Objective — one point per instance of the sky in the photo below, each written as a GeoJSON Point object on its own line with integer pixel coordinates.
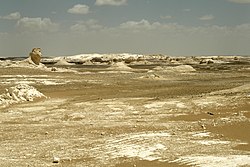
{"type": "Point", "coordinates": [170, 27]}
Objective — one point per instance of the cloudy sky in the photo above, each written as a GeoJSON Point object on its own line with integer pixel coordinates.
{"type": "Point", "coordinates": [172, 27]}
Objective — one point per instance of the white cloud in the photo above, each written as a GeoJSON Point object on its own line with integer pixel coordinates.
{"type": "Point", "coordinates": [173, 29]}
{"type": "Point", "coordinates": [207, 17]}
{"type": "Point", "coordinates": [166, 17]}
{"type": "Point", "coordinates": [111, 2]}
{"type": "Point", "coordinates": [144, 26]}
{"type": "Point", "coordinates": [147, 28]}
{"type": "Point", "coordinates": [79, 9]}
{"type": "Point", "coordinates": [240, 1]}
{"type": "Point", "coordinates": [243, 29]}
{"type": "Point", "coordinates": [243, 26]}
{"type": "Point", "coordinates": [37, 24]}
{"type": "Point", "coordinates": [90, 25]}
{"type": "Point", "coordinates": [12, 16]}
{"type": "Point", "coordinates": [79, 27]}
{"type": "Point", "coordinates": [139, 25]}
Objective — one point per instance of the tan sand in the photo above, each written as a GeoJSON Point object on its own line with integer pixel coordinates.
{"type": "Point", "coordinates": [94, 118]}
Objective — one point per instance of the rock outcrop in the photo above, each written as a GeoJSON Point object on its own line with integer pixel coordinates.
{"type": "Point", "coordinates": [63, 62]}
{"type": "Point", "coordinates": [36, 55]}
{"type": "Point", "coordinates": [180, 68]}
{"type": "Point", "coordinates": [19, 93]}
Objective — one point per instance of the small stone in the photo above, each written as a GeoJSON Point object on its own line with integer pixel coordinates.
{"type": "Point", "coordinates": [210, 113]}
{"type": "Point", "coordinates": [236, 114]}
{"type": "Point", "coordinates": [56, 159]}
{"type": "Point", "coordinates": [53, 69]}
{"type": "Point", "coordinates": [203, 127]}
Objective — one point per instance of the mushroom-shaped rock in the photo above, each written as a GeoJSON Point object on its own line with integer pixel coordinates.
{"type": "Point", "coordinates": [35, 55]}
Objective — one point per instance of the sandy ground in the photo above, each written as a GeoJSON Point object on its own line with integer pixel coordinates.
{"type": "Point", "coordinates": [100, 116]}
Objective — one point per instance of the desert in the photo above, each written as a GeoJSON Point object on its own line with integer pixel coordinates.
{"type": "Point", "coordinates": [125, 110]}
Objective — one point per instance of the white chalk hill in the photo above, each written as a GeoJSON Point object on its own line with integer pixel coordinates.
{"type": "Point", "coordinates": [19, 93]}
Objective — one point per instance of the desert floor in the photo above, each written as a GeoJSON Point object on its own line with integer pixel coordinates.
{"type": "Point", "coordinates": [98, 116]}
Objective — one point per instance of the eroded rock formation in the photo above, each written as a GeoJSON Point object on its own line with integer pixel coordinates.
{"type": "Point", "coordinates": [35, 55]}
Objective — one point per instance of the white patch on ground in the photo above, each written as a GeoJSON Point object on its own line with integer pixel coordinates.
{"type": "Point", "coordinates": [76, 116]}
{"type": "Point", "coordinates": [94, 81]}
{"type": "Point", "coordinates": [180, 68]}
{"type": "Point", "coordinates": [215, 161]}
{"type": "Point", "coordinates": [149, 153]}
{"type": "Point", "coordinates": [150, 135]}
{"type": "Point", "coordinates": [167, 104]}
{"type": "Point", "coordinates": [239, 89]}
{"type": "Point", "coordinates": [181, 105]}
{"type": "Point", "coordinates": [34, 108]}
{"type": "Point", "coordinates": [214, 101]}
{"type": "Point", "coordinates": [49, 83]}
{"type": "Point", "coordinates": [202, 134]}
{"type": "Point", "coordinates": [115, 105]}
{"type": "Point", "coordinates": [23, 76]}
{"type": "Point", "coordinates": [14, 81]}
{"type": "Point", "coordinates": [115, 72]}
{"type": "Point", "coordinates": [212, 142]}
{"type": "Point", "coordinates": [140, 145]}
{"type": "Point", "coordinates": [155, 105]}
{"type": "Point", "coordinates": [33, 79]}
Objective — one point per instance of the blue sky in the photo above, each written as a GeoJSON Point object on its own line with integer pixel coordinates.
{"type": "Point", "coordinates": [172, 27]}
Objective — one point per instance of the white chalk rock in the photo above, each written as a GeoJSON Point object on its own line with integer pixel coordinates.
{"type": "Point", "coordinates": [19, 93]}
{"type": "Point", "coordinates": [56, 159]}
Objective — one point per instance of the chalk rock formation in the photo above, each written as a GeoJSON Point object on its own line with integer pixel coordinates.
{"type": "Point", "coordinates": [180, 68]}
{"type": "Point", "coordinates": [63, 62]}
{"type": "Point", "coordinates": [19, 93]}
{"type": "Point", "coordinates": [207, 61]}
{"type": "Point", "coordinates": [35, 55]}
{"type": "Point", "coordinates": [119, 66]}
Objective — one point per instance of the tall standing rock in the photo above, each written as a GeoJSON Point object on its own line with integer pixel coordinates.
{"type": "Point", "coordinates": [36, 55]}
